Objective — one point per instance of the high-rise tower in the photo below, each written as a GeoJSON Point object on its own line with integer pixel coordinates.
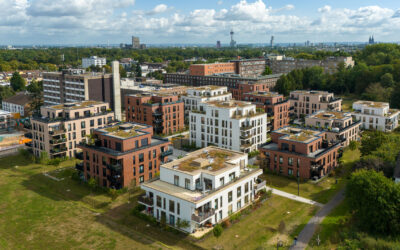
{"type": "Point", "coordinates": [233, 42]}
{"type": "Point", "coordinates": [272, 42]}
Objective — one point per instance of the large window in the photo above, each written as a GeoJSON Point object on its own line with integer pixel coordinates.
{"type": "Point", "coordinates": [187, 183]}
{"type": "Point", "coordinates": [176, 180]}
{"type": "Point", "coordinates": [230, 196]}
{"type": "Point", "coordinates": [171, 206]}
{"type": "Point", "coordinates": [246, 187]}
{"type": "Point", "coordinates": [158, 201]}
{"type": "Point", "coordinates": [141, 168]}
{"type": "Point", "coordinates": [141, 157]}
{"type": "Point", "coordinates": [83, 124]}
{"type": "Point", "coordinates": [290, 161]}
{"type": "Point", "coordinates": [239, 191]}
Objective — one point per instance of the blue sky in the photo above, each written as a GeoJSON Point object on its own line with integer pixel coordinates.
{"type": "Point", "coordinates": [205, 21]}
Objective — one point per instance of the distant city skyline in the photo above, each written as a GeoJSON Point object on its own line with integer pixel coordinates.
{"type": "Point", "coordinates": [201, 22]}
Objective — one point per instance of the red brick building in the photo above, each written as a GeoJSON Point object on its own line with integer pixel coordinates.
{"type": "Point", "coordinates": [274, 104]}
{"type": "Point", "coordinates": [300, 152]}
{"type": "Point", "coordinates": [165, 113]}
{"type": "Point", "coordinates": [122, 155]}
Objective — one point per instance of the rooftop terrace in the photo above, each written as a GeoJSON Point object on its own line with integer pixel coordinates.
{"type": "Point", "coordinates": [124, 131]}
{"type": "Point", "coordinates": [328, 115]}
{"type": "Point", "coordinates": [265, 93]}
{"type": "Point", "coordinates": [229, 104]}
{"type": "Point", "coordinates": [299, 134]}
{"type": "Point", "coordinates": [373, 104]}
{"type": "Point", "coordinates": [210, 160]}
{"type": "Point", "coordinates": [76, 105]}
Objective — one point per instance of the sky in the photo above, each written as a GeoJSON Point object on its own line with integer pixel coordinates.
{"type": "Point", "coordinates": [44, 22]}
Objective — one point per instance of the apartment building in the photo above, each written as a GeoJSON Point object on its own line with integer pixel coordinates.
{"type": "Point", "coordinates": [274, 104]}
{"type": "Point", "coordinates": [232, 124]}
{"type": "Point", "coordinates": [198, 95]}
{"type": "Point", "coordinates": [18, 103]}
{"type": "Point", "coordinates": [93, 61]}
{"type": "Point", "coordinates": [75, 85]}
{"type": "Point", "coordinates": [211, 69]}
{"type": "Point", "coordinates": [6, 121]}
{"type": "Point", "coordinates": [60, 128]}
{"type": "Point", "coordinates": [285, 65]}
{"type": "Point", "coordinates": [236, 84]}
{"type": "Point", "coordinates": [300, 152]}
{"type": "Point", "coordinates": [164, 112]}
{"type": "Point", "coordinates": [203, 188]}
{"type": "Point", "coordinates": [249, 67]}
{"type": "Point", "coordinates": [376, 115]}
{"type": "Point", "coordinates": [123, 155]}
{"type": "Point", "coordinates": [338, 126]}
{"type": "Point", "coordinates": [308, 102]}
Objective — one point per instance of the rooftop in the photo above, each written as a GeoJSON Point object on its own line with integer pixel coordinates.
{"type": "Point", "coordinates": [208, 87]}
{"type": "Point", "coordinates": [76, 105]}
{"type": "Point", "coordinates": [311, 92]}
{"type": "Point", "coordinates": [210, 160]}
{"type": "Point", "coordinates": [328, 115]}
{"type": "Point", "coordinates": [372, 104]}
{"type": "Point", "coordinates": [265, 93]}
{"type": "Point", "coordinates": [21, 99]}
{"type": "Point", "coordinates": [125, 130]}
{"type": "Point", "coordinates": [229, 104]}
{"type": "Point", "coordinates": [298, 134]}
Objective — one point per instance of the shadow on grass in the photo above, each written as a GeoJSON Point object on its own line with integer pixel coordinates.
{"type": "Point", "coordinates": [120, 220]}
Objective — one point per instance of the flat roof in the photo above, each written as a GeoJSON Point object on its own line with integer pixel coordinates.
{"type": "Point", "coordinates": [372, 104]}
{"type": "Point", "coordinates": [328, 115]}
{"type": "Point", "coordinates": [265, 93]}
{"type": "Point", "coordinates": [229, 104]}
{"type": "Point", "coordinates": [76, 105]}
{"type": "Point", "coordinates": [208, 87]}
{"type": "Point", "coordinates": [211, 160]}
{"type": "Point", "coordinates": [310, 92]}
{"type": "Point", "coordinates": [125, 130]}
{"type": "Point", "coordinates": [298, 134]}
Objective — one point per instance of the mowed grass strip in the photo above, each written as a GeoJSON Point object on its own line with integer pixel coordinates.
{"type": "Point", "coordinates": [260, 228]}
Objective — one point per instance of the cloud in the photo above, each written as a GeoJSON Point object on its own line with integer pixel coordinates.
{"type": "Point", "coordinates": [96, 21]}
{"type": "Point", "coordinates": [161, 8]}
{"type": "Point", "coordinates": [220, 2]}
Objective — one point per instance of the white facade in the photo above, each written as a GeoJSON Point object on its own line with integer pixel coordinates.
{"type": "Point", "coordinates": [201, 195]}
{"type": "Point", "coordinates": [13, 108]}
{"type": "Point", "coordinates": [376, 115]}
{"type": "Point", "coordinates": [197, 95]}
{"type": "Point", "coordinates": [230, 124]}
{"type": "Point", "coordinates": [93, 60]}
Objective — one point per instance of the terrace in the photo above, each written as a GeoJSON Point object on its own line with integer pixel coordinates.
{"type": "Point", "coordinates": [229, 104]}
{"type": "Point", "coordinates": [77, 105]}
{"type": "Point", "coordinates": [124, 130]}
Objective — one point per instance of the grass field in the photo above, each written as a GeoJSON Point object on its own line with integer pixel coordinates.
{"type": "Point", "coordinates": [37, 212]}
{"type": "Point", "coordinates": [322, 191]}
{"type": "Point", "coordinates": [259, 229]}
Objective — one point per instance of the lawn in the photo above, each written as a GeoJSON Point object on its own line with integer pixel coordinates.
{"type": "Point", "coordinates": [322, 191]}
{"type": "Point", "coordinates": [259, 229]}
{"type": "Point", "coordinates": [37, 212]}
{"type": "Point", "coordinates": [347, 102]}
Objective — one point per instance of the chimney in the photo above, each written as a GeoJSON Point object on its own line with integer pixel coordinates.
{"type": "Point", "coordinates": [117, 91]}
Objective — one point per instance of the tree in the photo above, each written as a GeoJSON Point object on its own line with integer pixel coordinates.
{"type": "Point", "coordinates": [35, 90]}
{"type": "Point", "coordinates": [17, 83]}
{"type": "Point", "coordinates": [92, 183]}
{"type": "Point", "coordinates": [138, 70]}
{"type": "Point", "coordinates": [395, 97]}
{"type": "Point", "coordinates": [6, 92]}
{"type": "Point", "coordinates": [267, 71]}
{"type": "Point", "coordinates": [387, 80]}
{"type": "Point", "coordinates": [122, 71]}
{"type": "Point", "coordinates": [113, 193]}
{"type": "Point", "coordinates": [217, 230]}
{"type": "Point", "coordinates": [374, 200]}
{"type": "Point", "coordinates": [353, 145]}
{"type": "Point", "coordinates": [371, 142]}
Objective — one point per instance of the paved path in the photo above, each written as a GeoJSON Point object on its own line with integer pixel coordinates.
{"type": "Point", "coordinates": [294, 197]}
{"type": "Point", "coordinates": [183, 133]}
{"type": "Point", "coordinates": [308, 231]}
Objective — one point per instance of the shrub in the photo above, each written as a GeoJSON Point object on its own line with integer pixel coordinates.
{"type": "Point", "coordinates": [226, 224]}
{"type": "Point", "coordinates": [137, 211]}
{"type": "Point", "coordinates": [217, 230]}
{"type": "Point", "coordinates": [235, 217]}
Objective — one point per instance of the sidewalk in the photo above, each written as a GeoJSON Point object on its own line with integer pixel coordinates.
{"type": "Point", "coordinates": [308, 231]}
{"type": "Point", "coordinates": [294, 197]}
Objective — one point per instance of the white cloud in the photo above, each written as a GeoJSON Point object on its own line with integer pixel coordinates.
{"type": "Point", "coordinates": [95, 20]}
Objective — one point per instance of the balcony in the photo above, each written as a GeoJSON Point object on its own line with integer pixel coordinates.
{"type": "Point", "coordinates": [245, 136]}
{"type": "Point", "coordinates": [247, 145]}
{"type": "Point", "coordinates": [167, 152]}
{"type": "Point", "coordinates": [158, 121]}
{"type": "Point", "coordinates": [58, 150]}
{"type": "Point", "coordinates": [114, 167]}
{"type": "Point", "coordinates": [79, 155]}
{"type": "Point", "coordinates": [79, 166]}
{"type": "Point", "coordinates": [58, 141]}
{"type": "Point", "coordinates": [145, 200]}
{"type": "Point", "coordinates": [28, 144]}
{"type": "Point", "coordinates": [247, 127]}
{"type": "Point", "coordinates": [57, 132]}
{"type": "Point", "coordinates": [202, 216]}
{"type": "Point", "coordinates": [157, 114]}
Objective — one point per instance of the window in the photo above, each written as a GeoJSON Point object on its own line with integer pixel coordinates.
{"type": "Point", "coordinates": [91, 123]}
{"type": "Point", "coordinates": [178, 208]}
{"type": "Point", "coordinates": [290, 171]}
{"type": "Point", "coordinates": [141, 157]}
{"type": "Point", "coordinates": [187, 183]}
{"type": "Point", "coordinates": [150, 165]}
{"type": "Point", "coordinates": [154, 153]}
{"type": "Point", "coordinates": [230, 196]}
{"type": "Point", "coordinates": [141, 179]}
{"type": "Point", "coordinates": [239, 191]}
{"type": "Point", "coordinates": [246, 199]}
{"type": "Point", "coordinates": [246, 187]}
{"type": "Point", "coordinates": [171, 206]}
{"type": "Point", "coordinates": [83, 124]}
{"type": "Point", "coordinates": [231, 176]}
{"type": "Point", "coordinates": [280, 159]}
{"type": "Point", "coordinates": [290, 161]}
{"type": "Point", "coordinates": [158, 201]}
{"type": "Point", "coordinates": [141, 169]}
{"type": "Point", "coordinates": [222, 181]}
{"type": "Point", "coordinates": [176, 180]}
{"type": "Point", "coordinates": [216, 203]}
{"type": "Point", "coordinates": [133, 160]}
{"type": "Point", "coordinates": [118, 146]}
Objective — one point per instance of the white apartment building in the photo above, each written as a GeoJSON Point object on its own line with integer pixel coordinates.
{"type": "Point", "coordinates": [232, 124]}
{"type": "Point", "coordinates": [376, 115]}
{"type": "Point", "coordinates": [202, 188]}
{"type": "Point", "coordinates": [93, 60]}
{"type": "Point", "coordinates": [197, 95]}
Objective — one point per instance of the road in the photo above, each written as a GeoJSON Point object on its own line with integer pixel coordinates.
{"type": "Point", "coordinates": [294, 197]}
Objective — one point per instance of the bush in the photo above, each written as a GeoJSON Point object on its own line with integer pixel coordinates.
{"type": "Point", "coordinates": [226, 224]}
{"type": "Point", "coordinates": [253, 153]}
{"type": "Point", "coordinates": [217, 230]}
{"type": "Point", "coordinates": [235, 217]}
{"type": "Point", "coordinates": [137, 211]}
